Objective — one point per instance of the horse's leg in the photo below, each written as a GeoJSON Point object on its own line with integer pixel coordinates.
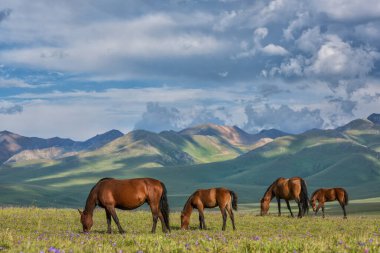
{"type": "Point", "coordinates": [155, 214]}
{"type": "Point", "coordinates": [108, 215]}
{"type": "Point", "coordinates": [323, 210]}
{"type": "Point", "coordinates": [231, 214]}
{"type": "Point", "coordinates": [163, 224]}
{"type": "Point", "coordinates": [200, 220]}
{"type": "Point", "coordinates": [201, 217]}
{"type": "Point", "coordinates": [112, 211]}
{"type": "Point", "coordinates": [224, 215]}
{"type": "Point", "coordinates": [290, 210]}
{"type": "Point", "coordinates": [318, 207]}
{"type": "Point", "coordinates": [344, 209]}
{"type": "Point", "coordinates": [279, 205]}
{"type": "Point", "coordinates": [299, 208]}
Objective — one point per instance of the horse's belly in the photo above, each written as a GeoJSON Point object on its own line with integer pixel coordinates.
{"type": "Point", "coordinates": [130, 203]}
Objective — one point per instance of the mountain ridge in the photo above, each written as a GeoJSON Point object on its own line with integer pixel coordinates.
{"type": "Point", "coordinates": [347, 156]}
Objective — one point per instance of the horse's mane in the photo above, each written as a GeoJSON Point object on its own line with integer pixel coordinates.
{"type": "Point", "coordinates": [188, 200]}
{"type": "Point", "coordinates": [270, 186]}
{"type": "Point", "coordinates": [312, 195]}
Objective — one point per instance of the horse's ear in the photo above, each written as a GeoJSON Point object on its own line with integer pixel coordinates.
{"type": "Point", "coordinates": [80, 212]}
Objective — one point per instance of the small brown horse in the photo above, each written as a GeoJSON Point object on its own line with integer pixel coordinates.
{"type": "Point", "coordinates": [329, 194]}
{"type": "Point", "coordinates": [210, 198]}
{"type": "Point", "coordinates": [126, 194]}
{"type": "Point", "coordinates": [288, 189]}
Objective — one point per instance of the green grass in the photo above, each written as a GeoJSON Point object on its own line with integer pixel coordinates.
{"type": "Point", "coordinates": [38, 230]}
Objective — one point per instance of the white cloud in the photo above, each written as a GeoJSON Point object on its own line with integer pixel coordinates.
{"type": "Point", "coordinates": [330, 59]}
{"type": "Point", "coordinates": [157, 118]}
{"type": "Point", "coordinates": [9, 108]}
{"type": "Point", "coordinates": [302, 20]}
{"type": "Point", "coordinates": [18, 83]}
{"type": "Point", "coordinates": [348, 10]}
{"type": "Point", "coordinates": [310, 40]}
{"type": "Point", "coordinates": [282, 118]}
{"type": "Point", "coordinates": [368, 32]}
{"type": "Point", "coordinates": [260, 33]}
{"type": "Point", "coordinates": [225, 20]}
{"type": "Point", "coordinates": [271, 49]}
{"type": "Point", "coordinates": [336, 58]}
{"type": "Point", "coordinates": [223, 74]}
{"type": "Point", "coordinates": [54, 42]}
{"type": "Point", "coordinates": [80, 114]}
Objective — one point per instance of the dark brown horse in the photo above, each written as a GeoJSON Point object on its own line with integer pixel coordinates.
{"type": "Point", "coordinates": [289, 189]}
{"type": "Point", "coordinates": [210, 198]}
{"type": "Point", "coordinates": [329, 194]}
{"type": "Point", "coordinates": [126, 194]}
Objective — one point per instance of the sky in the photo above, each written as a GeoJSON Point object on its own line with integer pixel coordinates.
{"type": "Point", "coordinates": [79, 68]}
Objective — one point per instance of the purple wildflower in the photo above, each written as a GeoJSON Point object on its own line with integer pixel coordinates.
{"type": "Point", "coordinates": [53, 250]}
{"type": "Point", "coordinates": [256, 238]}
{"type": "Point", "coordinates": [370, 240]}
{"type": "Point", "coordinates": [340, 242]}
{"type": "Point", "coordinates": [187, 246]}
{"type": "Point", "coordinates": [140, 251]}
{"type": "Point", "coordinates": [196, 243]}
{"type": "Point", "coordinates": [366, 250]}
{"type": "Point", "coordinates": [361, 244]}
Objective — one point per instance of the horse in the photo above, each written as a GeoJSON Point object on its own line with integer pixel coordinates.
{"type": "Point", "coordinates": [210, 198]}
{"type": "Point", "coordinates": [289, 189]}
{"type": "Point", "coordinates": [329, 194]}
{"type": "Point", "coordinates": [126, 194]}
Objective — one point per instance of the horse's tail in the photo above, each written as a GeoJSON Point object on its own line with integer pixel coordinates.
{"type": "Point", "coordinates": [304, 198]}
{"type": "Point", "coordinates": [234, 200]}
{"type": "Point", "coordinates": [164, 206]}
{"type": "Point", "coordinates": [345, 197]}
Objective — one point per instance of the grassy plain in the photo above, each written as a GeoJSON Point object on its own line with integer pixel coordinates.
{"type": "Point", "coordinates": [59, 230]}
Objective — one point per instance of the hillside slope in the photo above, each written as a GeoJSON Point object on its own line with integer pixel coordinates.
{"type": "Point", "coordinates": [347, 157]}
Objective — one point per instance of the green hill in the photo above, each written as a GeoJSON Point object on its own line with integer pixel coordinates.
{"type": "Point", "coordinates": [345, 157]}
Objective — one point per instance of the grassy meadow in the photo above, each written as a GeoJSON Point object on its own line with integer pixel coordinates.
{"type": "Point", "coordinates": [59, 230]}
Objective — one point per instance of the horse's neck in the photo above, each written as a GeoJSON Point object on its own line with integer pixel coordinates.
{"type": "Point", "coordinates": [269, 193]}
{"type": "Point", "coordinates": [90, 203]}
{"type": "Point", "coordinates": [188, 209]}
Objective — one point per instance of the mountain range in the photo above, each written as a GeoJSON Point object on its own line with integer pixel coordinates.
{"type": "Point", "coordinates": [197, 157]}
{"type": "Point", "coordinates": [30, 148]}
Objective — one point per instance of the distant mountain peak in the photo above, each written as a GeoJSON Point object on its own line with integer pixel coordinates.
{"type": "Point", "coordinates": [5, 132]}
{"type": "Point", "coordinates": [357, 124]}
{"type": "Point", "coordinates": [374, 118]}
{"type": "Point", "coordinates": [101, 139]}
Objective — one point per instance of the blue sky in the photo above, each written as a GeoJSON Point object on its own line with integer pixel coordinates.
{"type": "Point", "coordinates": [78, 68]}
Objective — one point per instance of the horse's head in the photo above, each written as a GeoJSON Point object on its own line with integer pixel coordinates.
{"type": "Point", "coordinates": [185, 220]}
{"type": "Point", "coordinates": [312, 203]}
{"type": "Point", "coordinates": [264, 204]}
{"type": "Point", "coordinates": [86, 220]}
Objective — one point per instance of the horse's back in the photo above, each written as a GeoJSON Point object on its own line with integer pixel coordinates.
{"type": "Point", "coordinates": [211, 197]}
{"type": "Point", "coordinates": [126, 193]}
{"type": "Point", "coordinates": [288, 188]}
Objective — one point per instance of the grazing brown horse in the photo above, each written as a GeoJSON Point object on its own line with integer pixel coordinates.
{"type": "Point", "coordinates": [329, 194]}
{"type": "Point", "coordinates": [126, 194]}
{"type": "Point", "coordinates": [210, 198]}
{"type": "Point", "coordinates": [288, 189]}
